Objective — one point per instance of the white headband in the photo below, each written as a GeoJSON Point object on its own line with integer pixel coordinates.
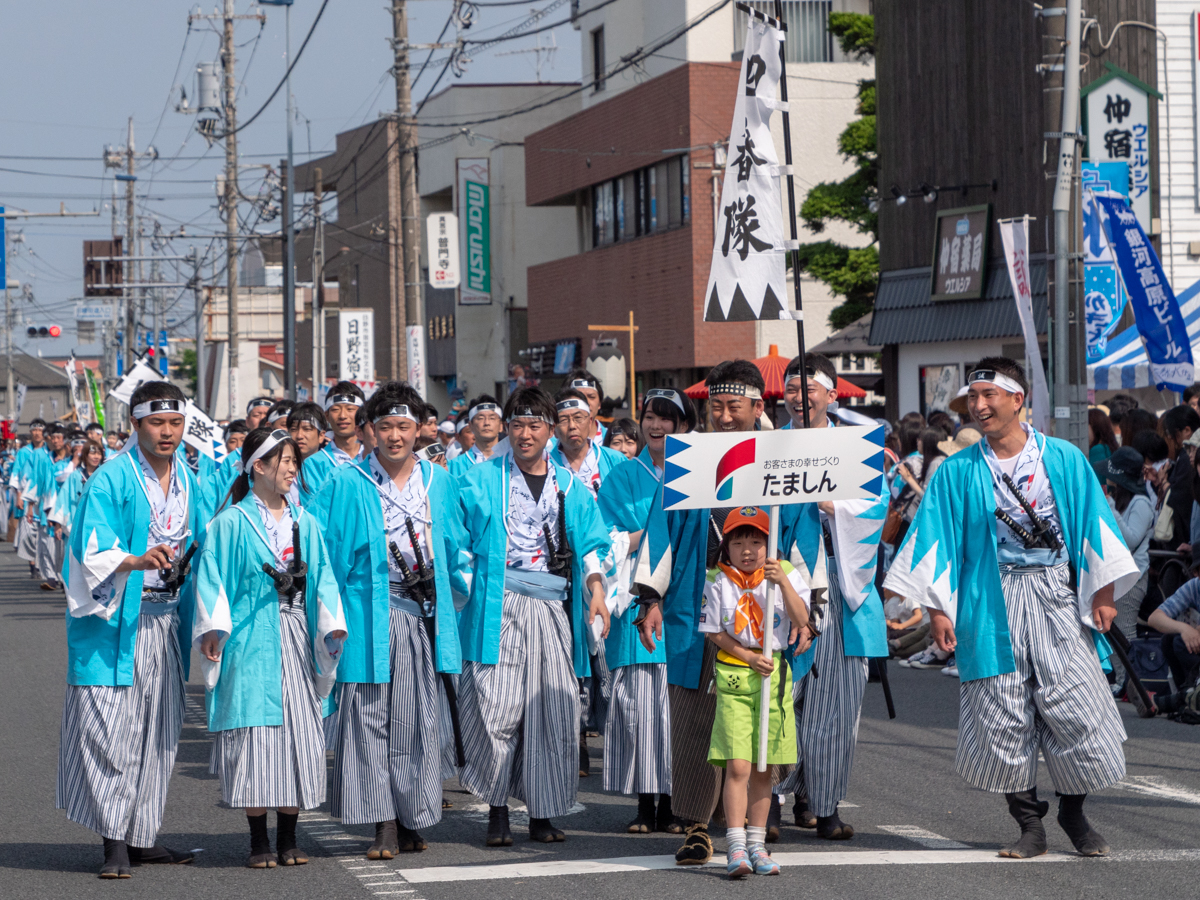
{"type": "Point", "coordinates": [273, 440]}
{"type": "Point", "coordinates": [482, 407]}
{"type": "Point", "coordinates": [819, 377]}
{"type": "Point", "coordinates": [396, 411]}
{"type": "Point", "coordinates": [157, 406]}
{"type": "Point", "coordinates": [583, 383]}
{"type": "Point", "coordinates": [736, 389]}
{"type": "Point", "coordinates": [999, 379]}
{"type": "Point", "coordinates": [526, 412]}
{"type": "Point", "coordinates": [343, 398]}
{"type": "Point", "coordinates": [462, 425]}
{"type": "Point", "coordinates": [666, 394]}
{"type": "Point", "coordinates": [255, 404]}
{"type": "Point", "coordinates": [573, 403]}
{"type": "Point", "coordinates": [280, 414]}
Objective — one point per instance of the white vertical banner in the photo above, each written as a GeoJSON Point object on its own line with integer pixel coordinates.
{"type": "Point", "coordinates": [1014, 234]}
{"type": "Point", "coordinates": [22, 389]}
{"type": "Point", "coordinates": [201, 432]}
{"type": "Point", "coordinates": [441, 240]}
{"type": "Point", "coordinates": [356, 345]}
{"type": "Point", "coordinates": [748, 278]}
{"type": "Point", "coordinates": [415, 348]}
{"type": "Point", "coordinates": [73, 386]}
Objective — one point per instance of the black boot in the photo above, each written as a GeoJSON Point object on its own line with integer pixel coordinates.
{"type": "Point", "coordinates": [156, 855]}
{"type": "Point", "coordinates": [1028, 811]}
{"type": "Point", "coordinates": [387, 842]}
{"type": "Point", "coordinates": [116, 860]}
{"type": "Point", "coordinates": [260, 844]}
{"type": "Point", "coordinates": [773, 820]}
{"type": "Point", "coordinates": [803, 815]}
{"type": "Point", "coordinates": [585, 759]}
{"type": "Point", "coordinates": [832, 828]}
{"type": "Point", "coordinates": [543, 831]}
{"type": "Point", "coordinates": [664, 819]}
{"type": "Point", "coordinates": [697, 847]}
{"type": "Point", "coordinates": [410, 841]}
{"type": "Point", "coordinates": [285, 840]}
{"type": "Point", "coordinates": [644, 823]}
{"type": "Point", "coordinates": [1070, 816]}
{"type": "Point", "coordinates": [498, 834]}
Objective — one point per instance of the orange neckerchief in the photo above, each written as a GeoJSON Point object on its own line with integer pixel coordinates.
{"type": "Point", "coordinates": [748, 610]}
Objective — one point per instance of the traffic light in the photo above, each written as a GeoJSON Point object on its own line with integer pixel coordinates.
{"type": "Point", "coordinates": [43, 331]}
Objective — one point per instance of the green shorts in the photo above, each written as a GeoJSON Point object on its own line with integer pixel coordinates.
{"type": "Point", "coordinates": [735, 728]}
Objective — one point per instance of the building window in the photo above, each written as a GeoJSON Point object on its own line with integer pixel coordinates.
{"type": "Point", "coordinates": [598, 59]}
{"type": "Point", "coordinates": [640, 203]}
{"type": "Point", "coordinates": [808, 37]}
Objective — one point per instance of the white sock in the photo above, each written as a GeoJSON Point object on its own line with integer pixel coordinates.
{"type": "Point", "coordinates": [735, 837]}
{"type": "Point", "coordinates": [756, 835]}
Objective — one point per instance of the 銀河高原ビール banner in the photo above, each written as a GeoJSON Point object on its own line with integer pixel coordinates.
{"type": "Point", "coordinates": [771, 468]}
{"type": "Point", "coordinates": [1155, 309]}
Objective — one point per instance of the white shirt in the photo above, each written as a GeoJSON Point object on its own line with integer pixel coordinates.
{"type": "Point", "coordinates": [719, 612]}
{"type": "Point", "coordinates": [168, 514]}
{"type": "Point", "coordinates": [526, 515]}
{"type": "Point", "coordinates": [398, 504]}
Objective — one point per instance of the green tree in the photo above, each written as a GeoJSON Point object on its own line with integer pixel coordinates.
{"type": "Point", "coordinates": [185, 369]}
{"type": "Point", "coordinates": [850, 272]}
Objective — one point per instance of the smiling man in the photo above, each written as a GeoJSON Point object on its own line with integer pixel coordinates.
{"type": "Point", "coordinates": [486, 429]}
{"type": "Point", "coordinates": [1023, 600]}
{"type": "Point", "coordinates": [129, 627]}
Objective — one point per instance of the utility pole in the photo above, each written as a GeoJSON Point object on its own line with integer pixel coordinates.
{"type": "Point", "coordinates": [409, 226]}
{"type": "Point", "coordinates": [228, 61]}
{"type": "Point", "coordinates": [318, 290]}
{"type": "Point", "coordinates": [197, 294]}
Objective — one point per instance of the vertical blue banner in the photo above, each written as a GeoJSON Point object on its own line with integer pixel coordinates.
{"type": "Point", "coordinates": [1103, 296]}
{"type": "Point", "coordinates": [1155, 309]}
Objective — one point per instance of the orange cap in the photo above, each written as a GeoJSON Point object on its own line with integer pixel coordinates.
{"type": "Point", "coordinates": [748, 515]}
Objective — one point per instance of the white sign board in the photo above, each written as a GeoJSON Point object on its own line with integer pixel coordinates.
{"type": "Point", "coordinates": [138, 375]}
{"type": "Point", "coordinates": [356, 345]}
{"type": "Point", "coordinates": [441, 237]}
{"type": "Point", "coordinates": [770, 468]}
{"type": "Point", "coordinates": [415, 347]}
{"type": "Point", "coordinates": [1117, 113]}
{"type": "Point", "coordinates": [93, 312]}
{"type": "Point", "coordinates": [202, 433]}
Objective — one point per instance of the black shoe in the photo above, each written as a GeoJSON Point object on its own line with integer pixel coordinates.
{"type": "Point", "coordinates": [664, 819]}
{"type": "Point", "coordinates": [1028, 811]}
{"type": "Point", "coordinates": [387, 842]}
{"type": "Point", "coordinates": [644, 823]}
{"type": "Point", "coordinates": [773, 820]}
{"type": "Point", "coordinates": [803, 815]}
{"type": "Point", "coordinates": [1072, 820]}
{"type": "Point", "coordinates": [498, 834]}
{"type": "Point", "coordinates": [156, 855]}
{"type": "Point", "coordinates": [831, 828]}
{"type": "Point", "coordinates": [261, 856]}
{"type": "Point", "coordinates": [116, 860]}
{"type": "Point", "coordinates": [409, 840]}
{"type": "Point", "coordinates": [542, 831]}
{"type": "Point", "coordinates": [585, 759]}
{"type": "Point", "coordinates": [697, 847]}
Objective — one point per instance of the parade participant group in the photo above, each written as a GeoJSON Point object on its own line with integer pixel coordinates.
{"type": "Point", "coordinates": [346, 589]}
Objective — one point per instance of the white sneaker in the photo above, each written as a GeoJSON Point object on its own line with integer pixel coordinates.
{"type": "Point", "coordinates": [951, 669]}
{"type": "Point", "coordinates": [927, 659]}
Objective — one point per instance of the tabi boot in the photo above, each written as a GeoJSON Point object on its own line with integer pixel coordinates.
{"type": "Point", "coordinates": [1028, 811]}
{"type": "Point", "coordinates": [585, 759]}
{"type": "Point", "coordinates": [116, 860]}
{"type": "Point", "coordinates": [542, 831]}
{"type": "Point", "coordinates": [697, 847]}
{"type": "Point", "coordinates": [156, 855]}
{"type": "Point", "coordinates": [644, 823]}
{"type": "Point", "coordinates": [387, 841]}
{"type": "Point", "coordinates": [498, 834]}
{"type": "Point", "coordinates": [286, 850]}
{"type": "Point", "coordinates": [774, 817]}
{"type": "Point", "coordinates": [409, 840]}
{"type": "Point", "coordinates": [831, 828]}
{"type": "Point", "coordinates": [664, 819]}
{"type": "Point", "coordinates": [803, 815]}
{"type": "Point", "coordinates": [260, 844]}
{"type": "Point", "coordinates": [1072, 820]}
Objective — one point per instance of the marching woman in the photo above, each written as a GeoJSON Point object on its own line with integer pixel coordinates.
{"type": "Point", "coordinates": [306, 423]}
{"type": "Point", "coordinates": [269, 628]}
{"type": "Point", "coordinates": [637, 736]}
{"type": "Point", "coordinates": [389, 739]}
{"type": "Point", "coordinates": [537, 587]}
{"type": "Point", "coordinates": [67, 499]}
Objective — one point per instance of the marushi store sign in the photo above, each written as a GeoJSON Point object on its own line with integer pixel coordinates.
{"type": "Point", "coordinates": [473, 202]}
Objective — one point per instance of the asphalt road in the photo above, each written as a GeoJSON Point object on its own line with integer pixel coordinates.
{"type": "Point", "coordinates": [922, 833]}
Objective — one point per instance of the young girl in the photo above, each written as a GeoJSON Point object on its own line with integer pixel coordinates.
{"type": "Point", "coordinates": [270, 642]}
{"type": "Point", "coordinates": [624, 437]}
{"type": "Point", "coordinates": [735, 599]}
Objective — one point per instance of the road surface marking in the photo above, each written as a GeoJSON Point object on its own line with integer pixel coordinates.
{"type": "Point", "coordinates": [1160, 788]}
{"type": "Point", "coordinates": [923, 837]}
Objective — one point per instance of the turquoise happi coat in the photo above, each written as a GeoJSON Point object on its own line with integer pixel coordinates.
{"type": "Point", "coordinates": [237, 599]}
{"type": "Point", "coordinates": [350, 508]}
{"type": "Point", "coordinates": [483, 502]}
{"type": "Point", "coordinates": [317, 470]}
{"type": "Point", "coordinates": [607, 458]}
{"type": "Point", "coordinates": [112, 522]}
{"type": "Point", "coordinates": [948, 559]}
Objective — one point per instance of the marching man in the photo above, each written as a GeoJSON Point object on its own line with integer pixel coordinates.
{"type": "Point", "coordinates": [1017, 557]}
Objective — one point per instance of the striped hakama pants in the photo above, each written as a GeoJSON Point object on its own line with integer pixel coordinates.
{"type": "Point", "coordinates": [828, 702]}
{"type": "Point", "coordinates": [27, 537]}
{"type": "Point", "coordinates": [1057, 701]}
{"type": "Point", "coordinates": [279, 765]}
{"type": "Point", "coordinates": [118, 743]}
{"type": "Point", "coordinates": [695, 782]}
{"type": "Point", "coordinates": [389, 755]}
{"type": "Point", "coordinates": [595, 694]}
{"type": "Point", "coordinates": [49, 554]}
{"type": "Point", "coordinates": [520, 717]}
{"type": "Point", "coordinates": [637, 736]}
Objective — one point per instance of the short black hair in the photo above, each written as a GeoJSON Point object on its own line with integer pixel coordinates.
{"type": "Point", "coordinates": [360, 417]}
{"type": "Point", "coordinates": [430, 411]}
{"type": "Point", "coordinates": [626, 427]}
{"type": "Point", "coordinates": [536, 399]}
{"type": "Point", "coordinates": [1119, 405]}
{"type": "Point", "coordinates": [393, 393]}
{"type": "Point", "coordinates": [237, 426]}
{"type": "Point", "coordinates": [736, 371]}
{"type": "Point", "coordinates": [1150, 444]}
{"type": "Point", "coordinates": [819, 362]}
{"type": "Point", "coordinates": [1005, 366]}
{"type": "Point", "coordinates": [281, 406]}
{"type": "Point", "coordinates": [94, 426]}
{"type": "Point", "coordinates": [475, 401]}
{"type": "Point", "coordinates": [666, 409]}
{"type": "Point", "coordinates": [581, 374]}
{"type": "Point", "coordinates": [1177, 418]}
{"type": "Point", "coordinates": [37, 423]}
{"type": "Point", "coordinates": [155, 390]}
{"type": "Point", "coordinates": [1191, 392]}
{"type": "Point", "coordinates": [308, 412]}
{"type": "Point", "coordinates": [55, 428]}
{"type": "Point", "coordinates": [347, 387]}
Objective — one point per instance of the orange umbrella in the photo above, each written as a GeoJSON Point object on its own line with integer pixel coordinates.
{"type": "Point", "coordinates": [772, 367]}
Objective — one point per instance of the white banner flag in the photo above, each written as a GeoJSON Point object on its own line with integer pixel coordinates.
{"type": "Point", "coordinates": [21, 391]}
{"type": "Point", "coordinates": [201, 432]}
{"type": "Point", "coordinates": [82, 405]}
{"type": "Point", "coordinates": [748, 277]}
{"type": "Point", "coordinates": [138, 375]}
{"type": "Point", "coordinates": [1014, 236]}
